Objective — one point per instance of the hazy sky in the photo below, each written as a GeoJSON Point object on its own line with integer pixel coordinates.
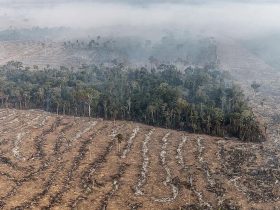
{"type": "Point", "coordinates": [236, 18]}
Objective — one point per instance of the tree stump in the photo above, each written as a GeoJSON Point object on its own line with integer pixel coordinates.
{"type": "Point", "coordinates": [119, 141]}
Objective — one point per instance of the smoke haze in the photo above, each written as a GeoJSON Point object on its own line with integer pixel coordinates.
{"type": "Point", "coordinates": [231, 18]}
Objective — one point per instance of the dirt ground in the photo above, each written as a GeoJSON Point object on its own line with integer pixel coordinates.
{"type": "Point", "coordinates": [41, 54]}
{"type": "Point", "coordinates": [63, 162]}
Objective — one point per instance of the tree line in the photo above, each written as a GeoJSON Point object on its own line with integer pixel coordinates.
{"type": "Point", "coordinates": [199, 100]}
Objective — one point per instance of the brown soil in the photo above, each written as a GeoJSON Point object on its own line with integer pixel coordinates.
{"type": "Point", "coordinates": [63, 162]}
{"type": "Point", "coordinates": [42, 54]}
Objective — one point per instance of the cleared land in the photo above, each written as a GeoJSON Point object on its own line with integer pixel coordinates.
{"type": "Point", "coordinates": [32, 53]}
{"type": "Point", "coordinates": [247, 68]}
{"type": "Point", "coordinates": [62, 162]}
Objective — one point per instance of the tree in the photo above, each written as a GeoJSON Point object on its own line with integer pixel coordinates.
{"type": "Point", "coordinates": [56, 98]}
{"type": "Point", "coordinates": [196, 100]}
{"type": "Point", "coordinates": [90, 97]}
{"type": "Point", "coordinates": [119, 141]}
{"type": "Point", "coordinates": [255, 86]}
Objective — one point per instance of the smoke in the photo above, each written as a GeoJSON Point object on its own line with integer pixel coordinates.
{"type": "Point", "coordinates": [230, 18]}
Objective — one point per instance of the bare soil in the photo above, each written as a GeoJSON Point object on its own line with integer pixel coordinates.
{"type": "Point", "coordinates": [65, 162]}
{"type": "Point", "coordinates": [41, 54]}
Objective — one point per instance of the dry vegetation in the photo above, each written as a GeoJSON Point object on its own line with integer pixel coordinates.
{"type": "Point", "coordinates": [63, 162]}
{"type": "Point", "coordinates": [41, 54]}
{"type": "Point", "coordinates": [246, 68]}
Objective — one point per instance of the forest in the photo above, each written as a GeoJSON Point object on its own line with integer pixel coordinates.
{"type": "Point", "coordinates": [199, 100]}
{"type": "Point", "coordinates": [137, 51]}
